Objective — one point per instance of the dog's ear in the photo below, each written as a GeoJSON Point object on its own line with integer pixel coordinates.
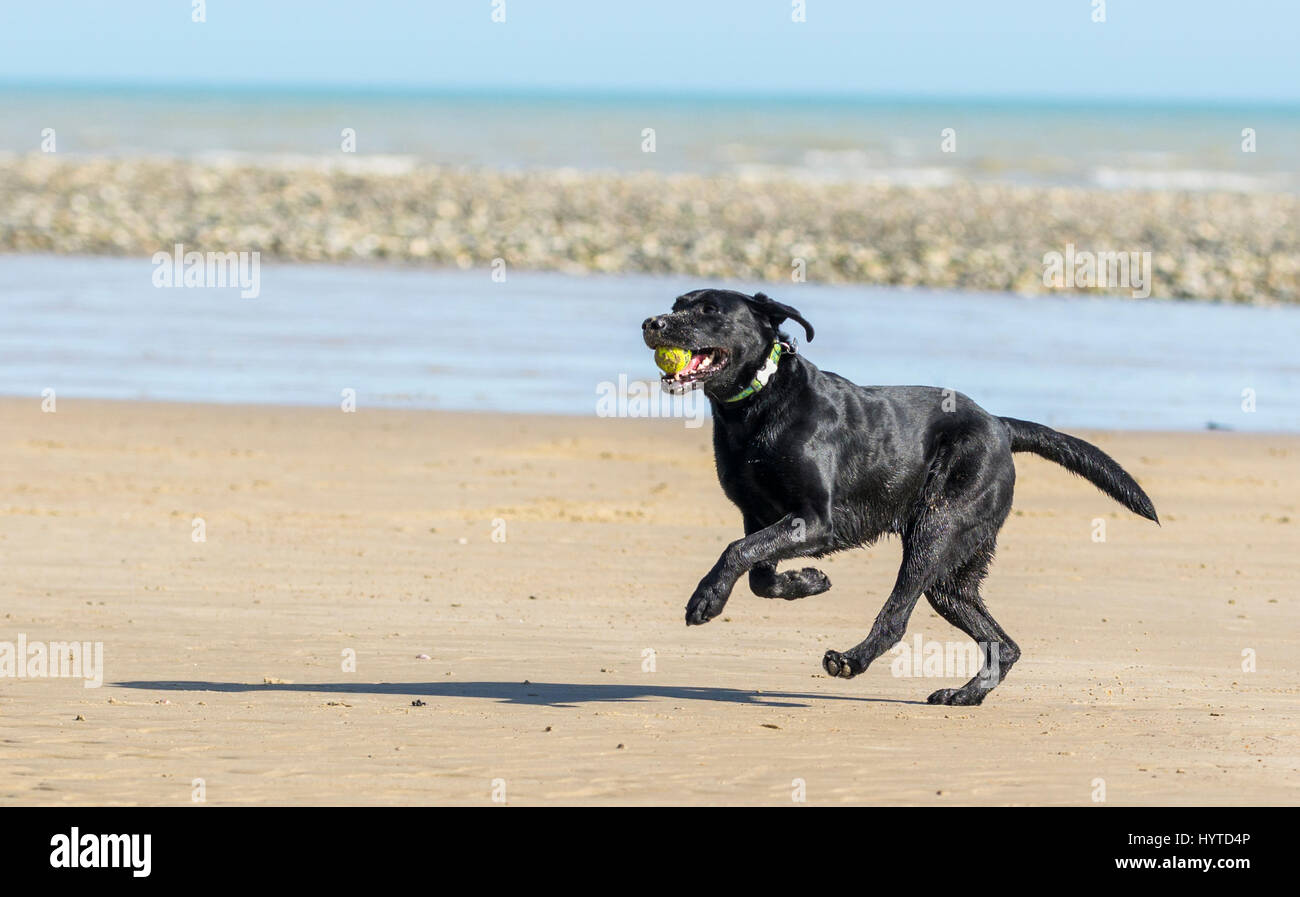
{"type": "Point", "coordinates": [777, 312]}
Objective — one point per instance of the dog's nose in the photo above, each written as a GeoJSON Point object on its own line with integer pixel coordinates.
{"type": "Point", "coordinates": [654, 323]}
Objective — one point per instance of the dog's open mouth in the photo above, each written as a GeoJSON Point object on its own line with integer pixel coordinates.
{"type": "Point", "coordinates": [703, 364]}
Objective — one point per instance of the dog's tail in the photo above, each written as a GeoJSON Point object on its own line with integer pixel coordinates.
{"type": "Point", "coordinates": [1082, 458]}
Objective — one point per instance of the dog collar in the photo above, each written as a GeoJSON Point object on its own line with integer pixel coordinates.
{"type": "Point", "coordinates": [762, 376]}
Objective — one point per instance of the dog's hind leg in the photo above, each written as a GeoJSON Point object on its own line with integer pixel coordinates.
{"type": "Point", "coordinates": [965, 502]}
{"type": "Point", "coordinates": [927, 548]}
{"type": "Point", "coordinates": [952, 529]}
{"type": "Point", "coordinates": [957, 599]}
{"type": "Point", "coordinates": [765, 582]}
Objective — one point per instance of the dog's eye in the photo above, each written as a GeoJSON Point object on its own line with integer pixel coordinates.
{"type": "Point", "coordinates": [709, 309]}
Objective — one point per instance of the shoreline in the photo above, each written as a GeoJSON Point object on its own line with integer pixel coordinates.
{"type": "Point", "coordinates": [524, 658]}
{"type": "Point", "coordinates": [1230, 247]}
{"type": "Point", "coordinates": [13, 400]}
{"type": "Point", "coordinates": [322, 333]}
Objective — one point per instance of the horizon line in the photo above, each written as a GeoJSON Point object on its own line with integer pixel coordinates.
{"type": "Point", "coordinates": [561, 92]}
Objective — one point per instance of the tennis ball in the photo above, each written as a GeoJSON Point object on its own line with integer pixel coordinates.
{"type": "Point", "coordinates": [671, 359]}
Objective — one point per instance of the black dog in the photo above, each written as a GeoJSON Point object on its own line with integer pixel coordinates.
{"type": "Point", "coordinates": [817, 464]}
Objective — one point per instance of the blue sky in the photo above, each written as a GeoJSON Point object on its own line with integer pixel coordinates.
{"type": "Point", "coordinates": [1246, 50]}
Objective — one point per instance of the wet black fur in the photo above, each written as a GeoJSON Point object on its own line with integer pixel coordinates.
{"type": "Point", "coordinates": [817, 464]}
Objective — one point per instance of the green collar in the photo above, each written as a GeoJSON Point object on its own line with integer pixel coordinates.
{"type": "Point", "coordinates": [762, 376]}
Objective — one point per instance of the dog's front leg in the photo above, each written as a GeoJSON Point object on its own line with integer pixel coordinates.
{"type": "Point", "coordinates": [794, 535]}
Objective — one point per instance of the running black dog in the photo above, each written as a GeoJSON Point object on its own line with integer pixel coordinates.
{"type": "Point", "coordinates": [817, 464]}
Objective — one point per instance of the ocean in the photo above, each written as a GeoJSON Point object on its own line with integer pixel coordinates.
{"type": "Point", "coordinates": [893, 141]}
{"type": "Point", "coordinates": [413, 338]}
{"type": "Point", "coordinates": [553, 343]}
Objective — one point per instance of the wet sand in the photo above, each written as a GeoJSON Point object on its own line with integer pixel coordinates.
{"type": "Point", "coordinates": [557, 659]}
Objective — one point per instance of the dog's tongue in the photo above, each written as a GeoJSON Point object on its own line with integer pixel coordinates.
{"type": "Point", "coordinates": [695, 362]}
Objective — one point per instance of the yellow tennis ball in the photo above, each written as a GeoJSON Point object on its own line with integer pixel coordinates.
{"type": "Point", "coordinates": [671, 359]}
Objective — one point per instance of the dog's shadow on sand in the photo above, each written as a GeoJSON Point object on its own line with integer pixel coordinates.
{"type": "Point", "coordinates": [546, 694]}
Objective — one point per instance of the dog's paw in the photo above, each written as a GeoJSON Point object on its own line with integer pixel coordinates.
{"type": "Point", "coordinates": [957, 697]}
{"type": "Point", "coordinates": [790, 585]}
{"type": "Point", "coordinates": [705, 604]}
{"type": "Point", "coordinates": [804, 583]}
{"type": "Point", "coordinates": [837, 664]}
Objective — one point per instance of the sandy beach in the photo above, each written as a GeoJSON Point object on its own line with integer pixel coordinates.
{"type": "Point", "coordinates": [512, 589]}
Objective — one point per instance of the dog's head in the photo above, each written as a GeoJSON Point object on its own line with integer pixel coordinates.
{"type": "Point", "coordinates": [728, 334]}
